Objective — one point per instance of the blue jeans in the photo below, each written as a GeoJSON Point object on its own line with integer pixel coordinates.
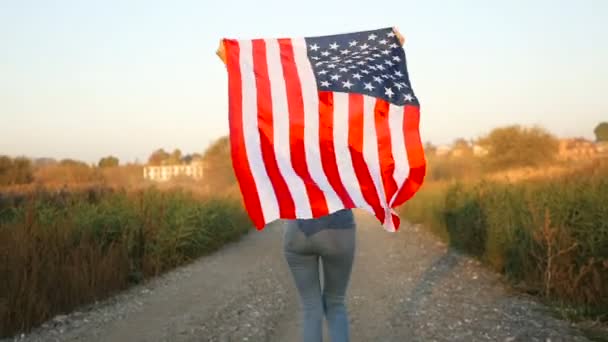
{"type": "Point", "coordinates": [334, 250]}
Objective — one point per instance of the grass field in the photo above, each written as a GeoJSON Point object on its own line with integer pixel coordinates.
{"type": "Point", "coordinates": [547, 235]}
{"type": "Point", "coordinates": [60, 250]}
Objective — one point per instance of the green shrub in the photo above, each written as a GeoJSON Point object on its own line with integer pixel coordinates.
{"type": "Point", "coordinates": [427, 207]}
{"type": "Point", "coordinates": [549, 235]}
{"type": "Point", "coordinates": [465, 222]}
{"type": "Point", "coordinates": [62, 250]}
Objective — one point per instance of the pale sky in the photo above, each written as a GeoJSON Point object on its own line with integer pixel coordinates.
{"type": "Point", "coordinates": [83, 79]}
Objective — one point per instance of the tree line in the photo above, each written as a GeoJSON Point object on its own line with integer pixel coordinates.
{"type": "Point", "coordinates": [160, 157]}
{"type": "Point", "coordinates": [506, 147]}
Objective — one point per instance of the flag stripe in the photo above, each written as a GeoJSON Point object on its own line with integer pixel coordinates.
{"type": "Point", "coordinates": [343, 152]}
{"type": "Point", "coordinates": [266, 191]}
{"type": "Point", "coordinates": [370, 145]}
{"type": "Point", "coordinates": [311, 124]}
{"type": "Point", "coordinates": [240, 163]}
{"type": "Point", "coordinates": [265, 126]}
{"type": "Point", "coordinates": [415, 154]}
{"type": "Point", "coordinates": [329, 158]}
{"type": "Point", "coordinates": [359, 146]}
{"type": "Point", "coordinates": [385, 153]}
{"type": "Point", "coordinates": [296, 117]}
{"type": "Point", "coordinates": [395, 221]}
{"type": "Point", "coordinates": [395, 116]}
{"type": "Point", "coordinates": [280, 118]}
{"type": "Point", "coordinates": [370, 151]}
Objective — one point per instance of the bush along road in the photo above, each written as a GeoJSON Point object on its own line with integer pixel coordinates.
{"type": "Point", "coordinates": [405, 286]}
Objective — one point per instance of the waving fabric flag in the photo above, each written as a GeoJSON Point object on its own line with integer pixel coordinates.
{"type": "Point", "coordinates": [319, 124]}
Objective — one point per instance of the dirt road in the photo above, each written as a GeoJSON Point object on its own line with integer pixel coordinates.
{"type": "Point", "coordinates": [405, 287]}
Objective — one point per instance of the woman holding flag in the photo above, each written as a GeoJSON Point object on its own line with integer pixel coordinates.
{"type": "Point", "coordinates": [287, 171]}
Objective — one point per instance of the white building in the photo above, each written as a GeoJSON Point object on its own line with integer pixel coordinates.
{"type": "Point", "coordinates": [163, 173]}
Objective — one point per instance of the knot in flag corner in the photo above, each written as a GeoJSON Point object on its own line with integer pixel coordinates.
{"type": "Point", "coordinates": [391, 220]}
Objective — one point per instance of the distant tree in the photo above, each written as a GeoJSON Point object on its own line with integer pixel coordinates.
{"type": "Point", "coordinates": [23, 173]}
{"type": "Point", "coordinates": [40, 162]}
{"type": "Point", "coordinates": [516, 146]}
{"type": "Point", "coordinates": [73, 162]}
{"type": "Point", "coordinates": [192, 157]}
{"type": "Point", "coordinates": [601, 131]}
{"type": "Point", "coordinates": [218, 171]}
{"type": "Point", "coordinates": [157, 157]}
{"type": "Point", "coordinates": [109, 161]}
{"type": "Point", "coordinates": [430, 149]}
{"type": "Point", "coordinates": [15, 171]}
{"type": "Point", "coordinates": [187, 158]}
{"type": "Point", "coordinates": [6, 169]}
{"type": "Point", "coordinates": [461, 143]}
{"type": "Point", "coordinates": [175, 157]}
{"type": "Point", "coordinates": [461, 147]}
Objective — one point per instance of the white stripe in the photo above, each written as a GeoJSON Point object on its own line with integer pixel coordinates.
{"type": "Point", "coordinates": [266, 193]}
{"type": "Point", "coordinates": [280, 118]}
{"type": "Point", "coordinates": [402, 168]}
{"type": "Point", "coordinates": [311, 125]}
{"type": "Point", "coordinates": [343, 157]}
{"type": "Point", "coordinates": [370, 146]}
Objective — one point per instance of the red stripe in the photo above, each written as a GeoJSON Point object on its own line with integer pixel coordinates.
{"type": "Point", "coordinates": [385, 153]}
{"type": "Point", "coordinates": [265, 127]}
{"type": "Point", "coordinates": [396, 221]}
{"type": "Point", "coordinates": [355, 144]}
{"type": "Point", "coordinates": [415, 154]}
{"type": "Point", "coordinates": [326, 146]}
{"type": "Point", "coordinates": [240, 162]}
{"type": "Point", "coordinates": [295, 104]}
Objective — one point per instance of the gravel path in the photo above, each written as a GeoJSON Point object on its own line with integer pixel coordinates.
{"type": "Point", "coordinates": [405, 287]}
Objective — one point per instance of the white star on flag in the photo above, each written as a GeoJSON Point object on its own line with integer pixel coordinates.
{"type": "Point", "coordinates": [389, 92]}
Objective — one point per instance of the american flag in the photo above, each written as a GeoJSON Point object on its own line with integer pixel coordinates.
{"type": "Point", "coordinates": [319, 124]}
